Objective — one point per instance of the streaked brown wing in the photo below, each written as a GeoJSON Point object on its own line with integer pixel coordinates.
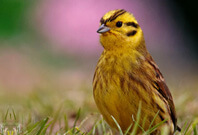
{"type": "Point", "coordinates": [162, 88]}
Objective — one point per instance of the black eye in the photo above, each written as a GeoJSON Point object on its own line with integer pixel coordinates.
{"type": "Point", "coordinates": [119, 24]}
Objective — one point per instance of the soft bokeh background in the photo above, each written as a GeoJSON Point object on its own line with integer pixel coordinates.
{"type": "Point", "coordinates": [49, 49]}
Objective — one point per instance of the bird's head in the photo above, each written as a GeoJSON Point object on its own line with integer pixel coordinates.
{"type": "Point", "coordinates": [119, 28]}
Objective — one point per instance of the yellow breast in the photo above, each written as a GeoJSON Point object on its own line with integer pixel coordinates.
{"type": "Point", "coordinates": [118, 94]}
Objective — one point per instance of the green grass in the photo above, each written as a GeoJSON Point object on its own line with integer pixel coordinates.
{"type": "Point", "coordinates": [18, 122]}
{"type": "Point", "coordinates": [44, 126]}
{"type": "Point", "coordinates": [54, 111]}
{"type": "Point", "coordinates": [50, 111]}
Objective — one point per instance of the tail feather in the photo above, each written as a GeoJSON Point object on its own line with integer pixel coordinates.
{"type": "Point", "coordinates": [178, 129]}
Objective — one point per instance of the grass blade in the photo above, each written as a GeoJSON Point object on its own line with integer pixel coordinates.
{"type": "Point", "coordinates": [6, 115]}
{"type": "Point", "coordinates": [56, 116]}
{"type": "Point", "coordinates": [184, 127]}
{"type": "Point", "coordinates": [153, 119]}
{"type": "Point", "coordinates": [119, 128]}
{"type": "Point", "coordinates": [103, 126]}
{"type": "Point", "coordinates": [66, 123]}
{"type": "Point", "coordinates": [42, 125]}
{"type": "Point", "coordinates": [31, 128]}
{"type": "Point", "coordinates": [194, 125]}
{"type": "Point", "coordinates": [138, 119]}
{"type": "Point", "coordinates": [46, 127]}
{"type": "Point", "coordinates": [77, 117]}
{"type": "Point", "coordinates": [144, 121]}
{"type": "Point", "coordinates": [187, 128]}
{"type": "Point", "coordinates": [156, 126]}
{"type": "Point", "coordinates": [14, 114]}
{"type": "Point", "coordinates": [128, 129]}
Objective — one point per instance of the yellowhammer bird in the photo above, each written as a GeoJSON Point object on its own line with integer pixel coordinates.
{"type": "Point", "coordinates": [127, 75]}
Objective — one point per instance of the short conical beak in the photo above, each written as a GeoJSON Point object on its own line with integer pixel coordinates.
{"type": "Point", "coordinates": [103, 29]}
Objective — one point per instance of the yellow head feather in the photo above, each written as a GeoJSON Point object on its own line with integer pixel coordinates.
{"type": "Point", "coordinates": [128, 35]}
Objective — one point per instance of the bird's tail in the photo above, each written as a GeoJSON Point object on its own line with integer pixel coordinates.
{"type": "Point", "coordinates": [178, 129]}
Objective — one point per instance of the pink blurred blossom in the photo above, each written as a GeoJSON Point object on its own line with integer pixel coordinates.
{"type": "Point", "coordinates": [71, 24]}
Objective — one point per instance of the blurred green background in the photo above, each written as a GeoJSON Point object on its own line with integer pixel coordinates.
{"type": "Point", "coordinates": [43, 69]}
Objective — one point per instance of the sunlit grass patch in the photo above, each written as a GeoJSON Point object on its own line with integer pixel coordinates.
{"type": "Point", "coordinates": [13, 125]}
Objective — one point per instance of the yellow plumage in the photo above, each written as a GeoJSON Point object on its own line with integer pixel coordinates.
{"type": "Point", "coordinates": [127, 75]}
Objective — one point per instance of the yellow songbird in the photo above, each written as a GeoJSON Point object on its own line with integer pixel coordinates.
{"type": "Point", "coordinates": [127, 75]}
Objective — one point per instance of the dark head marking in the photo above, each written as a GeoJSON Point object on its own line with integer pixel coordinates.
{"type": "Point", "coordinates": [113, 17]}
{"type": "Point", "coordinates": [102, 21]}
{"type": "Point", "coordinates": [116, 14]}
{"type": "Point", "coordinates": [131, 33]}
{"type": "Point", "coordinates": [132, 24]}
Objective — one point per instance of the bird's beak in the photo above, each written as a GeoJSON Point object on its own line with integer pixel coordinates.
{"type": "Point", "coordinates": [103, 29]}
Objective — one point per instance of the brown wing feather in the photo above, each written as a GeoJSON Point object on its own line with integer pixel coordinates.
{"type": "Point", "coordinates": [162, 88]}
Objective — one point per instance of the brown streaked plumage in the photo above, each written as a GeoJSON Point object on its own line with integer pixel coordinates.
{"type": "Point", "coordinates": [126, 74]}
